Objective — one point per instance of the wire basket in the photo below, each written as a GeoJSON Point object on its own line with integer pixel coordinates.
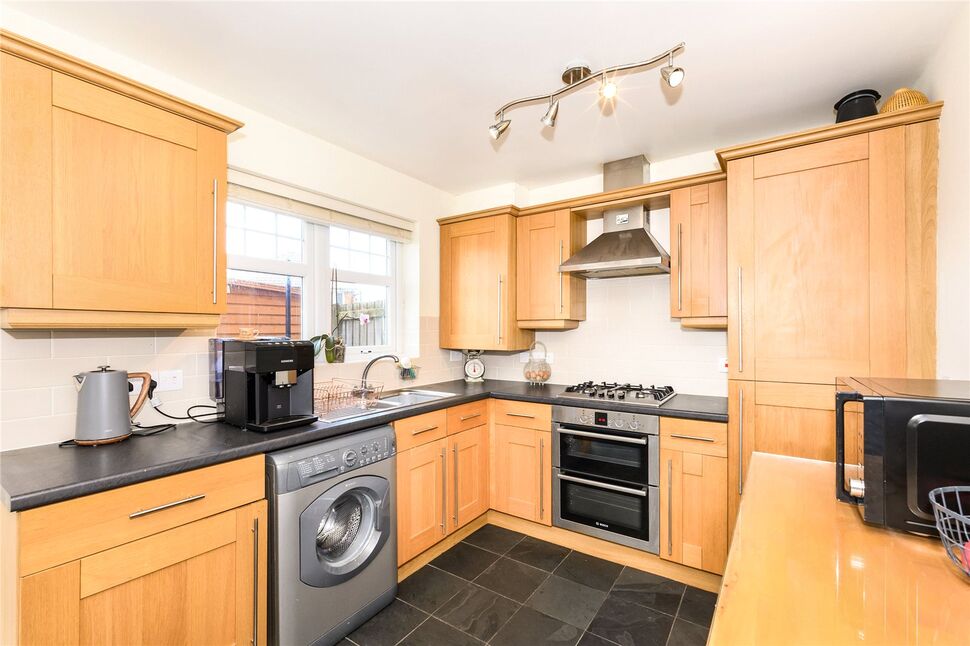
{"type": "Point", "coordinates": [953, 523]}
{"type": "Point", "coordinates": [903, 98]}
{"type": "Point", "coordinates": [345, 393]}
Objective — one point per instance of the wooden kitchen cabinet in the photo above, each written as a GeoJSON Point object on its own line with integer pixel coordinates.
{"type": "Point", "coordinates": [468, 491]}
{"type": "Point", "coordinates": [547, 299]}
{"type": "Point", "coordinates": [521, 477]}
{"type": "Point", "coordinates": [478, 284]}
{"type": "Point", "coordinates": [121, 567]}
{"type": "Point", "coordinates": [118, 217]}
{"type": "Point", "coordinates": [698, 255]}
{"type": "Point", "coordinates": [421, 498]}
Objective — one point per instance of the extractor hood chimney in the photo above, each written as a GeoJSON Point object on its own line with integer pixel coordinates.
{"type": "Point", "coordinates": [626, 246]}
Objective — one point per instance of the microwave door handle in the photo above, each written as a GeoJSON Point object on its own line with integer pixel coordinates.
{"type": "Point", "coordinates": [841, 399]}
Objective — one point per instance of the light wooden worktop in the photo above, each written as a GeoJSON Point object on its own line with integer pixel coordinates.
{"type": "Point", "coordinates": [804, 569]}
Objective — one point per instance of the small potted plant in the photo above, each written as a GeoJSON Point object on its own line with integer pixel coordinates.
{"type": "Point", "coordinates": [332, 345]}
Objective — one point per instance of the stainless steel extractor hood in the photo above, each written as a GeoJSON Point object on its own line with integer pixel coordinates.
{"type": "Point", "coordinates": [626, 246]}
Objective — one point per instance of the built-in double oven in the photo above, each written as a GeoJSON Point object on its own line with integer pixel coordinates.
{"type": "Point", "coordinates": [606, 475]}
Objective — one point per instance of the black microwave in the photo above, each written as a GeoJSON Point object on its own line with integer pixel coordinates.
{"type": "Point", "coordinates": [895, 441]}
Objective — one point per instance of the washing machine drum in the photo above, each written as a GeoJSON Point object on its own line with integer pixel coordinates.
{"type": "Point", "coordinates": [343, 530]}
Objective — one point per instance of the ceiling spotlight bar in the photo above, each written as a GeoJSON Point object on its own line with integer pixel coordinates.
{"type": "Point", "coordinates": [673, 78]}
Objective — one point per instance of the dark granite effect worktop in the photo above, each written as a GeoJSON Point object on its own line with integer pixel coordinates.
{"type": "Point", "coordinates": [42, 475]}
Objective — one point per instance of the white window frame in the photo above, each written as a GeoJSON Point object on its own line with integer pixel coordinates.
{"type": "Point", "coordinates": [283, 267]}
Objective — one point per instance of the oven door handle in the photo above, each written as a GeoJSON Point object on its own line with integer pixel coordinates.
{"type": "Point", "coordinates": [642, 441]}
{"type": "Point", "coordinates": [841, 492]}
{"type": "Point", "coordinates": [603, 485]}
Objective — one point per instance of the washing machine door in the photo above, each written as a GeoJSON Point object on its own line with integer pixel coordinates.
{"type": "Point", "coordinates": [343, 529]}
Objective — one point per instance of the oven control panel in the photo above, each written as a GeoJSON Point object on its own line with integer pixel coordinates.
{"type": "Point", "coordinates": [607, 419]}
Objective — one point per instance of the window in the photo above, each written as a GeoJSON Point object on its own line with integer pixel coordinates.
{"type": "Point", "coordinates": [290, 277]}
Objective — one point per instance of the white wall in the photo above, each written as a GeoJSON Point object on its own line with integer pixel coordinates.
{"type": "Point", "coordinates": [947, 77]}
{"type": "Point", "coordinates": [628, 334]}
{"type": "Point", "coordinates": [37, 399]}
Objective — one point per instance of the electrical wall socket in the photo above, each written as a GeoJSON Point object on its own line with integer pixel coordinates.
{"type": "Point", "coordinates": [454, 356]}
{"type": "Point", "coordinates": [169, 380]}
{"type": "Point", "coordinates": [722, 364]}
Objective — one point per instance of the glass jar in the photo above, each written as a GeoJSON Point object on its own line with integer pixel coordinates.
{"type": "Point", "coordinates": [537, 369]}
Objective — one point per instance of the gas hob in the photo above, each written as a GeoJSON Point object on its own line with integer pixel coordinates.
{"type": "Point", "coordinates": [647, 396]}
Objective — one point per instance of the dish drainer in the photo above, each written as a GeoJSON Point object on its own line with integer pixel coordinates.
{"type": "Point", "coordinates": [341, 393]}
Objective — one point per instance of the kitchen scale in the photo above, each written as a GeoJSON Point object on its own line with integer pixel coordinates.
{"type": "Point", "coordinates": [474, 366]}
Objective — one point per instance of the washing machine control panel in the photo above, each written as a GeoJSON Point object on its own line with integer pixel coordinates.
{"type": "Point", "coordinates": [346, 458]}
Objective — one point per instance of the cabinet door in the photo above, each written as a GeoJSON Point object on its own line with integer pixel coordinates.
{"type": "Point", "coordinates": [698, 260]}
{"type": "Point", "coordinates": [421, 498]}
{"type": "Point", "coordinates": [521, 475]}
{"type": "Point", "coordinates": [693, 509]}
{"type": "Point", "coordinates": [201, 583]}
{"type": "Point", "coordinates": [741, 404]}
{"type": "Point", "coordinates": [211, 194]}
{"type": "Point", "coordinates": [25, 174]}
{"type": "Point", "coordinates": [468, 490]}
{"type": "Point", "coordinates": [545, 297]}
{"type": "Point", "coordinates": [126, 227]}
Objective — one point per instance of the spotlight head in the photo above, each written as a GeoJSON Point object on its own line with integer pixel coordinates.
{"type": "Point", "coordinates": [608, 90]}
{"type": "Point", "coordinates": [496, 129]}
{"type": "Point", "coordinates": [549, 118]}
{"type": "Point", "coordinates": [674, 76]}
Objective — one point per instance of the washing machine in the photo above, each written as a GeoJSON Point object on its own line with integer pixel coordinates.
{"type": "Point", "coordinates": [333, 544]}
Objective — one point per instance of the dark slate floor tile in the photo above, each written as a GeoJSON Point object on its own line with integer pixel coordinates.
{"type": "Point", "coordinates": [437, 633]}
{"type": "Point", "coordinates": [567, 601]}
{"type": "Point", "coordinates": [389, 626]}
{"type": "Point", "coordinates": [589, 639]}
{"type": "Point", "coordinates": [494, 538]}
{"type": "Point", "coordinates": [697, 606]}
{"type": "Point", "coordinates": [512, 579]}
{"type": "Point", "coordinates": [589, 570]}
{"type": "Point", "coordinates": [631, 624]}
{"type": "Point", "coordinates": [685, 633]}
{"type": "Point", "coordinates": [541, 554]}
{"type": "Point", "coordinates": [429, 588]}
{"type": "Point", "coordinates": [477, 611]}
{"type": "Point", "coordinates": [648, 590]}
{"type": "Point", "coordinates": [464, 560]}
{"type": "Point", "coordinates": [531, 628]}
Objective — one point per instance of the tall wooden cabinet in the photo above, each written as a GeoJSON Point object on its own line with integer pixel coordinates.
{"type": "Point", "coordinates": [831, 272]}
{"type": "Point", "coordinates": [546, 298]}
{"type": "Point", "coordinates": [478, 284]}
{"type": "Point", "coordinates": [698, 255]}
{"type": "Point", "coordinates": [113, 201]}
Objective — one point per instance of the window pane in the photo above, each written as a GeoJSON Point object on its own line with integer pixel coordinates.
{"type": "Point", "coordinates": [235, 214]}
{"type": "Point", "coordinates": [262, 301]}
{"type": "Point", "coordinates": [235, 241]}
{"type": "Point", "coordinates": [260, 220]}
{"type": "Point", "coordinates": [378, 265]}
{"type": "Point", "coordinates": [359, 241]}
{"type": "Point", "coordinates": [362, 314]}
{"type": "Point", "coordinates": [340, 258]}
{"type": "Point", "coordinates": [289, 226]}
{"type": "Point", "coordinates": [359, 261]}
{"type": "Point", "coordinates": [260, 245]}
{"type": "Point", "coordinates": [289, 249]}
{"type": "Point", "coordinates": [378, 245]}
{"type": "Point", "coordinates": [339, 237]}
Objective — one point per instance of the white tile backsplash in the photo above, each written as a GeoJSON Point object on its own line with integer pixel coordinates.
{"type": "Point", "coordinates": [38, 399]}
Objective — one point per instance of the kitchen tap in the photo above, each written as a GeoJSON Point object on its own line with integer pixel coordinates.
{"type": "Point", "coordinates": [363, 377]}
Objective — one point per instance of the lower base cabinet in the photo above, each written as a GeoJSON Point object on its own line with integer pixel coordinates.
{"type": "Point", "coordinates": [522, 472]}
{"type": "Point", "coordinates": [441, 486]}
{"type": "Point", "coordinates": [199, 583]}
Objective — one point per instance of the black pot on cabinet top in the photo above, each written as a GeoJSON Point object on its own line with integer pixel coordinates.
{"type": "Point", "coordinates": [855, 105]}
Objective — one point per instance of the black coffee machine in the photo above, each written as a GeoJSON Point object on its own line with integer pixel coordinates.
{"type": "Point", "coordinates": [263, 385]}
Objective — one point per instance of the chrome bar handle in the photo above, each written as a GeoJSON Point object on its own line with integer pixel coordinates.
{"type": "Point", "coordinates": [424, 430]}
{"type": "Point", "coordinates": [465, 418]}
{"type": "Point", "coordinates": [500, 309]}
{"type": "Point", "coordinates": [602, 485]}
{"type": "Point", "coordinates": [444, 488]}
{"type": "Point", "coordinates": [692, 437]}
{"type": "Point", "coordinates": [526, 415]}
{"type": "Point", "coordinates": [454, 450]}
{"type": "Point", "coordinates": [542, 489]}
{"type": "Point", "coordinates": [740, 321]}
{"type": "Point", "coordinates": [740, 439]}
{"type": "Point", "coordinates": [168, 505]}
{"type": "Point", "coordinates": [255, 638]}
{"type": "Point", "coordinates": [215, 239]}
{"type": "Point", "coordinates": [642, 441]}
{"type": "Point", "coordinates": [670, 507]}
{"type": "Point", "coordinates": [560, 278]}
{"type": "Point", "coordinates": [680, 267]}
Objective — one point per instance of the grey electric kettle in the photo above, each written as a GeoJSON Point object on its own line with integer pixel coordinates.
{"type": "Point", "coordinates": [103, 415]}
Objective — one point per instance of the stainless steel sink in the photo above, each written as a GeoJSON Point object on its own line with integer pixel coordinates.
{"type": "Point", "coordinates": [412, 397]}
{"type": "Point", "coordinates": [373, 407]}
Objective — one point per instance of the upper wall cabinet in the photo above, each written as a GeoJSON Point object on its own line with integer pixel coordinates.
{"type": "Point", "coordinates": [114, 210]}
{"type": "Point", "coordinates": [547, 299]}
{"type": "Point", "coordinates": [698, 255]}
{"type": "Point", "coordinates": [478, 283]}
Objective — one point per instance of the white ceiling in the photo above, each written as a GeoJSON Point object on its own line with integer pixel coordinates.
{"type": "Point", "coordinates": [414, 85]}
